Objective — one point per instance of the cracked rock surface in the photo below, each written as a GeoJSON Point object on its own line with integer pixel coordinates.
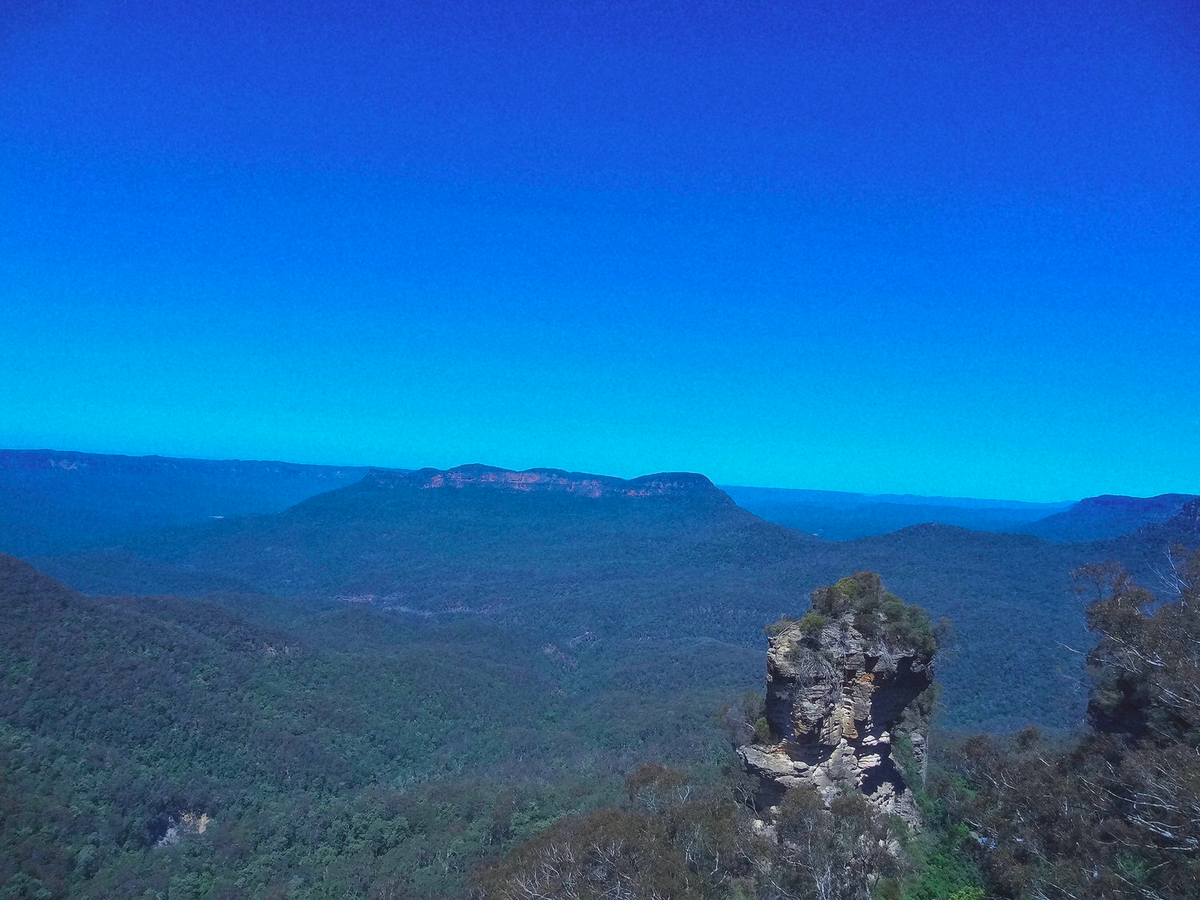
{"type": "Point", "coordinates": [843, 690]}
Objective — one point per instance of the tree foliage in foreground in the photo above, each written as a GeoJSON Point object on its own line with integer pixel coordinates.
{"type": "Point", "coordinates": [673, 839]}
{"type": "Point", "coordinates": [1116, 813]}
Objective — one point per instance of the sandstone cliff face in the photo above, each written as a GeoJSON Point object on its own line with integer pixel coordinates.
{"type": "Point", "coordinates": [845, 686]}
{"type": "Point", "coordinates": [663, 484]}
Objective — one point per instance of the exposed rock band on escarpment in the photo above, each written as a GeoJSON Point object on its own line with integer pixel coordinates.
{"type": "Point", "coordinates": [663, 484]}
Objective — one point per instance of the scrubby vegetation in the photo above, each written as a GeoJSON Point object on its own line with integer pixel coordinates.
{"type": "Point", "coordinates": [673, 838]}
{"type": "Point", "coordinates": [875, 612]}
{"type": "Point", "coordinates": [812, 622]}
{"type": "Point", "coordinates": [777, 627]}
{"type": "Point", "coordinates": [1116, 812]}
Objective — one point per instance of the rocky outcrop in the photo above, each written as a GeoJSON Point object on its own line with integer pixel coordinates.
{"type": "Point", "coordinates": [177, 827]}
{"type": "Point", "coordinates": [848, 697]}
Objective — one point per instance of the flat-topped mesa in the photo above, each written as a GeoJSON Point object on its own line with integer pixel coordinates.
{"type": "Point", "coordinates": [848, 698]}
{"type": "Point", "coordinates": [664, 484]}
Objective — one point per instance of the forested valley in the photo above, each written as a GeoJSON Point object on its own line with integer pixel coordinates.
{"type": "Point", "coordinates": [394, 690]}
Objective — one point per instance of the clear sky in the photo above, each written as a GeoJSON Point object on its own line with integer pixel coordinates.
{"type": "Point", "coordinates": [939, 248]}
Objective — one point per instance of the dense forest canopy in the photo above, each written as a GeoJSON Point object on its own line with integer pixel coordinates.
{"type": "Point", "coordinates": [388, 691]}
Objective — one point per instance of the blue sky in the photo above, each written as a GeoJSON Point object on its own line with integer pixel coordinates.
{"type": "Point", "coordinates": [932, 248]}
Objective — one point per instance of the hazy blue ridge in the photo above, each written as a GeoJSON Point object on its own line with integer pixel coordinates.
{"type": "Point", "coordinates": [54, 500]}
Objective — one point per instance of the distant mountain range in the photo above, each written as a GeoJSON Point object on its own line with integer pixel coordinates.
{"type": "Point", "coordinates": [57, 500]}
{"type": "Point", "coordinates": [617, 569]}
{"type": "Point", "coordinates": [846, 516]}
{"type": "Point", "coordinates": [53, 500]}
{"type": "Point", "coordinates": [1108, 516]}
{"type": "Point", "coordinates": [841, 516]}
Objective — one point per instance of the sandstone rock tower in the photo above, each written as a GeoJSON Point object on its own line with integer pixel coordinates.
{"type": "Point", "coordinates": [848, 698]}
